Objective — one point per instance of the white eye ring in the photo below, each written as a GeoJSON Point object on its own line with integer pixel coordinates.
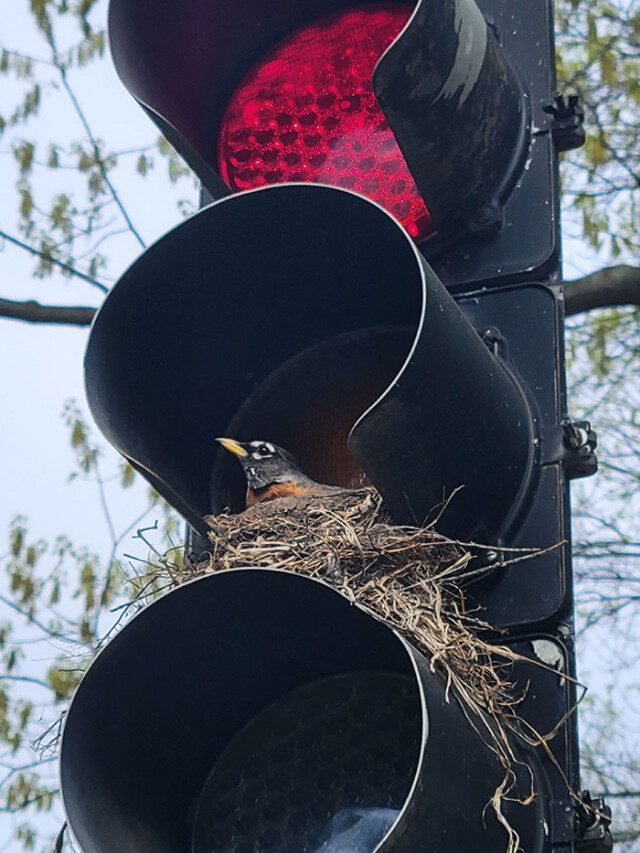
{"type": "Point", "coordinates": [263, 450]}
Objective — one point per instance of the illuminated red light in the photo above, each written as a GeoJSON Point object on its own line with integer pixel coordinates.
{"type": "Point", "coordinates": [307, 112]}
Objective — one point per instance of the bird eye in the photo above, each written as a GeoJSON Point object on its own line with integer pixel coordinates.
{"type": "Point", "coordinates": [263, 450]}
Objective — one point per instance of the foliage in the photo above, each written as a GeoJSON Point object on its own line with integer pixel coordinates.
{"type": "Point", "coordinates": [599, 57]}
{"type": "Point", "coordinates": [61, 594]}
{"type": "Point", "coordinates": [67, 229]}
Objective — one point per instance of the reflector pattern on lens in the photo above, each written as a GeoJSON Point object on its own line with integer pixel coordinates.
{"type": "Point", "coordinates": [301, 769]}
{"type": "Point", "coordinates": [307, 112]}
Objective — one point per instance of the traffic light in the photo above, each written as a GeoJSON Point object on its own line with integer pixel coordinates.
{"type": "Point", "coordinates": [374, 287]}
{"type": "Point", "coordinates": [247, 708]}
{"type": "Point", "coordinates": [437, 110]}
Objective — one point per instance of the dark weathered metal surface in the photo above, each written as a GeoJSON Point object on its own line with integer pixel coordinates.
{"type": "Point", "coordinates": [456, 108]}
{"type": "Point", "coordinates": [183, 61]}
{"type": "Point", "coordinates": [181, 680]}
{"type": "Point", "coordinates": [456, 421]}
{"type": "Point", "coordinates": [208, 313]}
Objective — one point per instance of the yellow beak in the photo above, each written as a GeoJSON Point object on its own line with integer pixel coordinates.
{"type": "Point", "coordinates": [232, 446]}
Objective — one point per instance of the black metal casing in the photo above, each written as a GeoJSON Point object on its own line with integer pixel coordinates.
{"type": "Point", "coordinates": [476, 130]}
{"type": "Point", "coordinates": [210, 655]}
{"type": "Point", "coordinates": [304, 315]}
{"type": "Point", "coordinates": [207, 337]}
{"type": "Point", "coordinates": [213, 332]}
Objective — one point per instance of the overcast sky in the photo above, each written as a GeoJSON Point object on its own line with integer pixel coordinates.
{"type": "Point", "coordinates": [41, 366]}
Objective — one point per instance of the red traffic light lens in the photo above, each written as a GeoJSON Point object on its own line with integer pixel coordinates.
{"type": "Point", "coordinates": [307, 112]}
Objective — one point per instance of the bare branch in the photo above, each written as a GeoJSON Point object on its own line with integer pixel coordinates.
{"type": "Point", "coordinates": [611, 795]}
{"type": "Point", "coordinates": [92, 139]}
{"type": "Point", "coordinates": [33, 312]}
{"type": "Point", "coordinates": [61, 264]}
{"type": "Point", "coordinates": [606, 288]}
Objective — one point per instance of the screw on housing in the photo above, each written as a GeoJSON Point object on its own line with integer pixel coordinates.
{"type": "Point", "coordinates": [488, 220]}
{"type": "Point", "coordinates": [494, 339]}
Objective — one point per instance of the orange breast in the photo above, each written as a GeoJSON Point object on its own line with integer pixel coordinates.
{"type": "Point", "coordinates": [277, 490]}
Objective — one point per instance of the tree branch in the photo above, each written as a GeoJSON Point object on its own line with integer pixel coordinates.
{"type": "Point", "coordinates": [92, 139]}
{"type": "Point", "coordinates": [606, 288]}
{"type": "Point", "coordinates": [610, 795]}
{"type": "Point", "coordinates": [33, 312]}
{"type": "Point", "coordinates": [56, 263]}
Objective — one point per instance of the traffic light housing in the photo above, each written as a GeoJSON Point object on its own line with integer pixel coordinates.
{"type": "Point", "coordinates": [306, 314]}
{"type": "Point", "coordinates": [463, 88]}
{"type": "Point", "coordinates": [290, 334]}
{"type": "Point", "coordinates": [246, 706]}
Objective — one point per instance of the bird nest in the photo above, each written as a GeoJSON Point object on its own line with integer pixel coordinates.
{"type": "Point", "coordinates": [411, 578]}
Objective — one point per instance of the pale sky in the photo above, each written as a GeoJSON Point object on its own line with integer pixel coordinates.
{"type": "Point", "coordinates": [41, 366]}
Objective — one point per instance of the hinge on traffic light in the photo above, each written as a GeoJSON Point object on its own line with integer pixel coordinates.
{"type": "Point", "coordinates": [594, 820]}
{"type": "Point", "coordinates": [567, 127]}
{"type": "Point", "coordinates": [574, 444]}
{"type": "Point", "coordinates": [579, 443]}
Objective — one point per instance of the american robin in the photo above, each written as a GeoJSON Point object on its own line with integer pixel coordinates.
{"type": "Point", "coordinates": [272, 472]}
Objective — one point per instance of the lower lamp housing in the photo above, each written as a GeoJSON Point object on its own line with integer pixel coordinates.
{"type": "Point", "coordinates": [260, 710]}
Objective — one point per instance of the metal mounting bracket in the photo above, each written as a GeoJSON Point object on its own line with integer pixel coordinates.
{"type": "Point", "coordinates": [574, 444]}
{"type": "Point", "coordinates": [567, 126]}
{"type": "Point", "coordinates": [594, 820]}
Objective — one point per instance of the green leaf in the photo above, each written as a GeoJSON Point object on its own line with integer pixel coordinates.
{"type": "Point", "coordinates": [127, 475]}
{"type": "Point", "coordinates": [61, 211]}
{"type": "Point", "coordinates": [97, 263]}
{"type": "Point", "coordinates": [17, 540]}
{"type": "Point", "coordinates": [24, 155]}
{"type": "Point", "coordinates": [88, 584]}
{"type": "Point", "coordinates": [63, 682]}
{"type": "Point", "coordinates": [116, 578]}
{"type": "Point", "coordinates": [592, 38]}
{"type": "Point", "coordinates": [608, 67]}
{"type": "Point", "coordinates": [26, 836]}
{"type": "Point", "coordinates": [54, 157]}
{"type": "Point", "coordinates": [24, 715]}
{"type": "Point", "coordinates": [26, 203]}
{"type": "Point", "coordinates": [177, 170]}
{"type": "Point", "coordinates": [596, 151]}
{"type": "Point", "coordinates": [78, 434]}
{"type": "Point", "coordinates": [143, 165]}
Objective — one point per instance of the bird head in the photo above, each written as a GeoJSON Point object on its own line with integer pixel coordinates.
{"type": "Point", "coordinates": [264, 463]}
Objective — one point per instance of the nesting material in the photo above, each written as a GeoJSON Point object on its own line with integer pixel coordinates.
{"type": "Point", "coordinates": [411, 578]}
